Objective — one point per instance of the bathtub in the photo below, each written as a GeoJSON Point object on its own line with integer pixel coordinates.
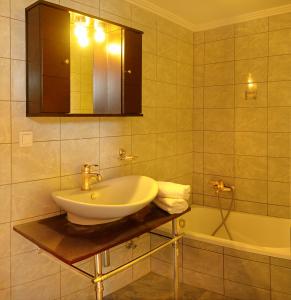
{"type": "Point", "coordinates": [252, 233]}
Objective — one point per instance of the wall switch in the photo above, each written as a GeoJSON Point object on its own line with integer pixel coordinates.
{"type": "Point", "coordinates": [25, 138]}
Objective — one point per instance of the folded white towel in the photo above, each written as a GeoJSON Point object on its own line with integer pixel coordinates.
{"type": "Point", "coordinates": [174, 190]}
{"type": "Point", "coordinates": [171, 205]}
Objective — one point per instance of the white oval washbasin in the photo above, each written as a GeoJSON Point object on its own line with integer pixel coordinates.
{"type": "Point", "coordinates": [108, 201]}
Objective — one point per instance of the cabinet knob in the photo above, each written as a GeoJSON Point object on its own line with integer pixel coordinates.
{"type": "Point", "coordinates": [129, 71]}
{"type": "Point", "coordinates": [66, 61]}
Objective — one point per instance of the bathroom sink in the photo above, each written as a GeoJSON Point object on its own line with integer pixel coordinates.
{"type": "Point", "coordinates": [108, 200]}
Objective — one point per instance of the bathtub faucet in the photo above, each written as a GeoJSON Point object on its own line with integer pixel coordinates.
{"type": "Point", "coordinates": [219, 186]}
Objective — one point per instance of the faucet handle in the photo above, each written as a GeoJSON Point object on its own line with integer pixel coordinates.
{"type": "Point", "coordinates": [88, 168]}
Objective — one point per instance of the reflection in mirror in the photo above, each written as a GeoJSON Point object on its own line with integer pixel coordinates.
{"type": "Point", "coordinates": [95, 65]}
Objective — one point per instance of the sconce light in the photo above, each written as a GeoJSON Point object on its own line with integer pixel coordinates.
{"type": "Point", "coordinates": [81, 29]}
{"type": "Point", "coordinates": [99, 34]}
{"type": "Point", "coordinates": [251, 91]}
{"type": "Point", "coordinates": [114, 48]}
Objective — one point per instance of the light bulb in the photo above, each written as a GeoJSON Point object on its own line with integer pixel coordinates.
{"type": "Point", "coordinates": [99, 34]}
{"type": "Point", "coordinates": [114, 48]}
{"type": "Point", "coordinates": [81, 33]}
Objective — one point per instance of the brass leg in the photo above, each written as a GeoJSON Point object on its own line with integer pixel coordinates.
{"type": "Point", "coordinates": [98, 271]}
{"type": "Point", "coordinates": [176, 260]}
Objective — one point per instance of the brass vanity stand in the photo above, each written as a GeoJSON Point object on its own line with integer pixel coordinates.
{"type": "Point", "coordinates": [69, 243]}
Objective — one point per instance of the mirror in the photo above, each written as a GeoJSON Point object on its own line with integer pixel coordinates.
{"type": "Point", "coordinates": [95, 65]}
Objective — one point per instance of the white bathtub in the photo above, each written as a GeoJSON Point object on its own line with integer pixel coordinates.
{"type": "Point", "coordinates": [252, 233]}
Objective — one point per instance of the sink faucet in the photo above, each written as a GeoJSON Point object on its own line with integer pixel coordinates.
{"type": "Point", "coordinates": [88, 176]}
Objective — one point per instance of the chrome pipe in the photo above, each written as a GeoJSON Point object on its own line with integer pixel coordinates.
{"type": "Point", "coordinates": [98, 273]}
{"type": "Point", "coordinates": [176, 259]}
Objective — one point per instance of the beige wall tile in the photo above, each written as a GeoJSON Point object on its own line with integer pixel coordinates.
{"type": "Point", "coordinates": [5, 162]}
{"type": "Point", "coordinates": [198, 119]}
{"type": "Point", "coordinates": [280, 296]}
{"type": "Point", "coordinates": [31, 266]}
{"type": "Point", "coordinates": [78, 128]}
{"type": "Point", "coordinates": [42, 160]}
{"type": "Point", "coordinates": [18, 80]}
{"type": "Point", "coordinates": [184, 142]}
{"type": "Point", "coordinates": [185, 52]}
{"type": "Point", "coordinates": [279, 93]}
{"type": "Point", "coordinates": [30, 199]}
{"type": "Point", "coordinates": [185, 74]}
{"type": "Point", "coordinates": [279, 144]}
{"type": "Point", "coordinates": [149, 38]}
{"type": "Point", "coordinates": [251, 143]}
{"type": "Point", "coordinates": [280, 279]}
{"type": "Point", "coordinates": [4, 79]}
{"type": "Point", "coordinates": [279, 21]}
{"type": "Point", "coordinates": [144, 17]}
{"type": "Point", "coordinates": [198, 141]}
{"type": "Point", "coordinates": [199, 37]}
{"type": "Point", "coordinates": [251, 167]}
{"type": "Point", "coordinates": [185, 97]}
{"type": "Point", "coordinates": [279, 42]}
{"type": "Point", "coordinates": [149, 66]}
{"type": "Point", "coordinates": [166, 70]}
{"type": "Point", "coordinates": [144, 147]}
{"type": "Point", "coordinates": [43, 129]}
{"type": "Point", "coordinates": [184, 119]}
{"type": "Point", "coordinates": [251, 207]}
{"type": "Point", "coordinates": [199, 73]}
{"type": "Point", "coordinates": [166, 144]}
{"type": "Point", "coordinates": [219, 33]}
{"type": "Point", "coordinates": [109, 148]}
{"type": "Point", "coordinates": [251, 190]}
{"type": "Point", "coordinates": [219, 164]}
{"type": "Point", "coordinates": [166, 95]}
{"type": "Point", "coordinates": [18, 8]}
{"type": "Point", "coordinates": [218, 142]}
{"type": "Point", "coordinates": [219, 74]}
{"type": "Point", "coordinates": [279, 169]}
{"type": "Point", "coordinates": [279, 67]}
{"type": "Point", "coordinates": [251, 27]}
{"type": "Point", "coordinates": [109, 16]}
{"type": "Point", "coordinates": [5, 195]}
{"type": "Point", "coordinates": [185, 34]}
{"type": "Point", "coordinates": [146, 124]}
{"type": "Point", "coordinates": [17, 39]}
{"type": "Point", "coordinates": [251, 46]}
{"type": "Point", "coordinates": [5, 294]}
{"type": "Point", "coordinates": [219, 51]}
{"type": "Point", "coordinates": [5, 273]}
{"type": "Point", "coordinates": [197, 183]}
{"type": "Point", "coordinates": [75, 153]}
{"type": "Point", "coordinates": [167, 27]}
{"type": "Point", "coordinates": [279, 211]}
{"type": "Point", "coordinates": [219, 119]}
{"type": "Point", "coordinates": [120, 8]}
{"type": "Point", "coordinates": [46, 288]}
{"type": "Point", "coordinates": [5, 8]}
{"type": "Point", "coordinates": [203, 261]}
{"type": "Point", "coordinates": [199, 52]}
{"type": "Point", "coordinates": [198, 95]}
{"type": "Point", "coordinates": [166, 120]}
{"type": "Point", "coordinates": [279, 119]}
{"type": "Point", "coordinates": [247, 255]}
{"type": "Point", "coordinates": [204, 281]}
{"type": "Point", "coordinates": [167, 46]}
{"type": "Point", "coordinates": [279, 193]}
{"type": "Point", "coordinates": [261, 98]}
{"type": "Point", "coordinates": [251, 119]}
{"type": "Point", "coordinates": [5, 119]}
{"type": "Point", "coordinates": [247, 272]}
{"type": "Point", "coordinates": [257, 68]}
{"type": "Point", "coordinates": [245, 292]}
{"type": "Point", "coordinates": [166, 168]}
{"type": "Point", "coordinates": [219, 96]}
{"type": "Point", "coordinates": [5, 36]}
{"type": "Point", "coordinates": [184, 164]}
{"type": "Point", "coordinates": [5, 240]}
{"type": "Point", "coordinates": [149, 93]}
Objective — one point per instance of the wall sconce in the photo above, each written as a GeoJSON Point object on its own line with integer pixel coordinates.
{"type": "Point", "coordinates": [81, 29]}
{"type": "Point", "coordinates": [99, 34]}
{"type": "Point", "coordinates": [251, 91]}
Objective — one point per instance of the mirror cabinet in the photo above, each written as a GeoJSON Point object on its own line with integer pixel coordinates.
{"type": "Point", "coordinates": [81, 65]}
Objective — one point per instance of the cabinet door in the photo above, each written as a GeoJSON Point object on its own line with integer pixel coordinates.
{"type": "Point", "coordinates": [55, 45]}
{"type": "Point", "coordinates": [132, 68]}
